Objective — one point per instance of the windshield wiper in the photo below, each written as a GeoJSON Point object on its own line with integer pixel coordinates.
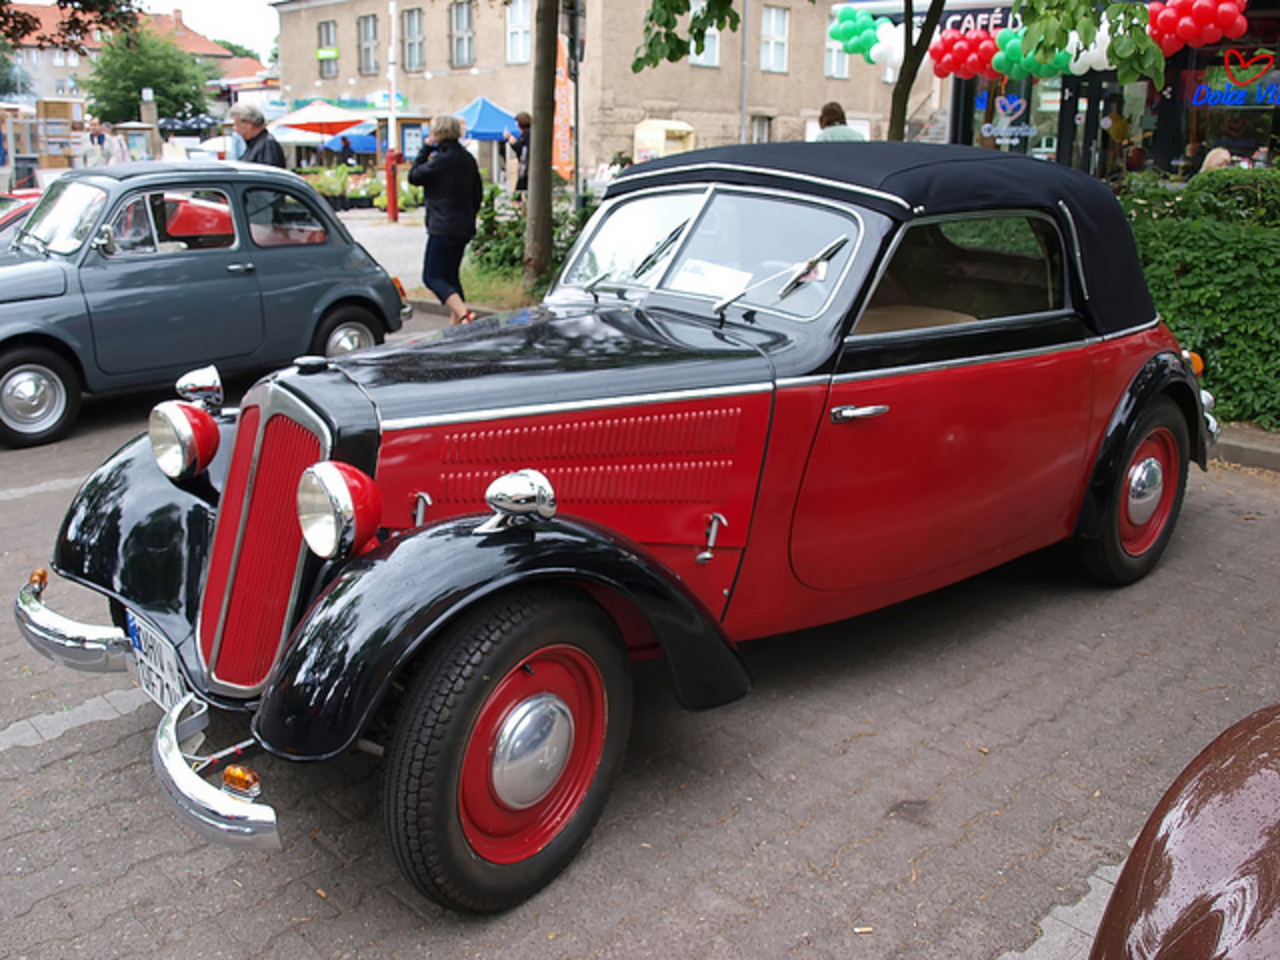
{"type": "Point", "coordinates": [802, 269]}
{"type": "Point", "coordinates": [654, 255]}
{"type": "Point", "coordinates": [798, 272]}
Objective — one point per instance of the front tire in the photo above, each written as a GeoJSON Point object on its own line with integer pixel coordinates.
{"type": "Point", "coordinates": [1145, 498]}
{"type": "Point", "coordinates": [344, 330]}
{"type": "Point", "coordinates": [39, 396]}
{"type": "Point", "coordinates": [506, 749]}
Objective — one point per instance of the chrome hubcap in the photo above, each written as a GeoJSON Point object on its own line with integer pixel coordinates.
{"type": "Point", "coordinates": [346, 338]}
{"type": "Point", "coordinates": [531, 751]}
{"type": "Point", "coordinates": [31, 397]}
{"type": "Point", "coordinates": [1146, 482]}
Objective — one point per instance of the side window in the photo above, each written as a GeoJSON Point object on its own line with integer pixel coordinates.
{"type": "Point", "coordinates": [279, 219]}
{"type": "Point", "coordinates": [131, 229]}
{"type": "Point", "coordinates": [968, 269]}
{"type": "Point", "coordinates": [192, 220]}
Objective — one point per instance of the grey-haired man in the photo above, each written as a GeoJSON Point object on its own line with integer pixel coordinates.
{"type": "Point", "coordinates": [260, 147]}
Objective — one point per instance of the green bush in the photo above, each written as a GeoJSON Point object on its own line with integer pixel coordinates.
{"type": "Point", "coordinates": [1211, 254]}
{"type": "Point", "coordinates": [331, 182]}
{"type": "Point", "coordinates": [498, 246]}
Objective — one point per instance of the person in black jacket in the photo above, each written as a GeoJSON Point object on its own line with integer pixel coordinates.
{"type": "Point", "coordinates": [260, 147]}
{"type": "Point", "coordinates": [450, 182]}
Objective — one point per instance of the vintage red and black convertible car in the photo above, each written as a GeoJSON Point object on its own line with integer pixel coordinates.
{"type": "Point", "coordinates": [774, 386]}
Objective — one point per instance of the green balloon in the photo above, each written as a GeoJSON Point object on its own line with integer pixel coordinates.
{"type": "Point", "coordinates": [850, 46]}
{"type": "Point", "coordinates": [847, 13]}
{"type": "Point", "coordinates": [1002, 38]}
{"type": "Point", "coordinates": [1000, 62]}
{"type": "Point", "coordinates": [1017, 72]}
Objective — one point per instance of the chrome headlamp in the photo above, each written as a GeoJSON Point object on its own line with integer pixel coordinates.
{"type": "Point", "coordinates": [184, 439]}
{"type": "Point", "coordinates": [339, 508]}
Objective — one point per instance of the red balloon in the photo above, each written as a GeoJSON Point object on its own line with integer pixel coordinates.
{"type": "Point", "coordinates": [939, 71]}
{"type": "Point", "coordinates": [961, 50]}
{"type": "Point", "coordinates": [1211, 33]}
{"type": "Point", "coordinates": [1167, 21]}
{"type": "Point", "coordinates": [949, 63]}
{"type": "Point", "coordinates": [1226, 14]}
{"type": "Point", "coordinates": [987, 49]}
{"type": "Point", "coordinates": [936, 50]}
{"type": "Point", "coordinates": [1182, 7]}
{"type": "Point", "coordinates": [1237, 29]}
{"type": "Point", "coordinates": [1204, 11]}
{"type": "Point", "coordinates": [1171, 44]}
{"type": "Point", "coordinates": [972, 64]}
{"type": "Point", "coordinates": [1153, 10]}
{"type": "Point", "coordinates": [1187, 28]}
{"type": "Point", "coordinates": [950, 36]}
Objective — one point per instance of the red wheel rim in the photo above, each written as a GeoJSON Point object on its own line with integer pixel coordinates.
{"type": "Point", "coordinates": [1137, 536]}
{"type": "Point", "coordinates": [495, 831]}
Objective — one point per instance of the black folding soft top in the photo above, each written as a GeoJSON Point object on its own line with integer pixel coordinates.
{"type": "Point", "coordinates": [910, 180]}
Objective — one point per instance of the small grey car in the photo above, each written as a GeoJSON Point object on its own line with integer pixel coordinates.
{"type": "Point", "coordinates": [128, 276]}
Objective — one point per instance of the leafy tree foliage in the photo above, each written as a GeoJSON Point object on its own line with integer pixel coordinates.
{"type": "Point", "coordinates": [670, 32]}
{"type": "Point", "coordinates": [239, 49]}
{"type": "Point", "coordinates": [79, 17]}
{"type": "Point", "coordinates": [9, 80]}
{"type": "Point", "coordinates": [130, 61]}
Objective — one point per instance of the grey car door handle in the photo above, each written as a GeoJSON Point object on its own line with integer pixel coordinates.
{"type": "Point", "coordinates": [240, 268]}
{"type": "Point", "coordinates": [845, 414]}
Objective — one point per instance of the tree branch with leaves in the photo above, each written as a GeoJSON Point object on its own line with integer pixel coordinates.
{"type": "Point", "coordinates": [78, 19]}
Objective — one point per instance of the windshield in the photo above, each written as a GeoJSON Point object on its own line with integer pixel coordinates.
{"type": "Point", "coordinates": [64, 216]}
{"type": "Point", "coordinates": [7, 204]}
{"type": "Point", "coordinates": [729, 247]}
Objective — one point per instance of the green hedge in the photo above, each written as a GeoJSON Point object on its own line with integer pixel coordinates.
{"type": "Point", "coordinates": [1211, 253]}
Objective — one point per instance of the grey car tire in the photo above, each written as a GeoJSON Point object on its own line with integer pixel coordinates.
{"type": "Point", "coordinates": [39, 396]}
{"type": "Point", "coordinates": [345, 329]}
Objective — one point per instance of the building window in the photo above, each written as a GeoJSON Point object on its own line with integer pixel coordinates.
{"type": "Point", "coordinates": [368, 31]}
{"type": "Point", "coordinates": [710, 55]}
{"type": "Point", "coordinates": [73, 59]}
{"type": "Point", "coordinates": [59, 57]}
{"type": "Point", "coordinates": [773, 39]}
{"type": "Point", "coordinates": [60, 87]}
{"type": "Point", "coordinates": [836, 63]}
{"type": "Point", "coordinates": [463, 34]}
{"type": "Point", "coordinates": [327, 48]}
{"type": "Point", "coordinates": [19, 56]}
{"type": "Point", "coordinates": [760, 127]}
{"type": "Point", "coordinates": [518, 32]}
{"type": "Point", "coordinates": [415, 59]}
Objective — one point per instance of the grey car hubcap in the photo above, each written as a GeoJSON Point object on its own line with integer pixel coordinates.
{"type": "Point", "coordinates": [1146, 482]}
{"type": "Point", "coordinates": [531, 750]}
{"type": "Point", "coordinates": [347, 337]}
{"type": "Point", "coordinates": [32, 398]}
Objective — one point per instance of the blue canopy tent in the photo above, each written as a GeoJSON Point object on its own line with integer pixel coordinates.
{"type": "Point", "coordinates": [486, 120]}
{"type": "Point", "coordinates": [360, 142]}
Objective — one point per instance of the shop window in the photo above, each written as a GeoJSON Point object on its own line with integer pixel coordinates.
{"type": "Point", "coordinates": [835, 61]}
{"type": "Point", "coordinates": [968, 269]}
{"type": "Point", "coordinates": [463, 34]}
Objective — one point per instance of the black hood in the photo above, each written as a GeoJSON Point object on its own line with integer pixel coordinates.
{"type": "Point", "coordinates": [540, 356]}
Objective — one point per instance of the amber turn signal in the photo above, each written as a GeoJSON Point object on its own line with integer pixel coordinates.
{"type": "Point", "coordinates": [39, 579]}
{"type": "Point", "coordinates": [241, 781]}
{"type": "Point", "coordinates": [1197, 363]}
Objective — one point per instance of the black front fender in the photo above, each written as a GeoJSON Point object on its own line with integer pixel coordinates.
{"type": "Point", "coordinates": [1165, 373]}
{"type": "Point", "coordinates": [385, 607]}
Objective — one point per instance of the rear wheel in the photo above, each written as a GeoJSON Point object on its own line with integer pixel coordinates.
{"type": "Point", "coordinates": [1145, 498]}
{"type": "Point", "coordinates": [39, 396]}
{"type": "Point", "coordinates": [503, 759]}
{"type": "Point", "coordinates": [346, 329]}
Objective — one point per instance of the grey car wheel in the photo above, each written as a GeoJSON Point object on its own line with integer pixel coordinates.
{"type": "Point", "coordinates": [344, 330]}
{"type": "Point", "coordinates": [39, 396]}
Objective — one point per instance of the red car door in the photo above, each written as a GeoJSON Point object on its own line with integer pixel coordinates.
{"type": "Point", "coordinates": [955, 432]}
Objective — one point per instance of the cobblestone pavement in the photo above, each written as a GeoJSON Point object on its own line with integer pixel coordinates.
{"type": "Point", "coordinates": [924, 782]}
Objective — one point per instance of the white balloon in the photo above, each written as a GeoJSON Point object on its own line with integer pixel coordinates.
{"type": "Point", "coordinates": [885, 30]}
{"type": "Point", "coordinates": [878, 53]}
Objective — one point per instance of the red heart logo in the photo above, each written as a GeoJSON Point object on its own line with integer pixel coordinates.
{"type": "Point", "coordinates": [1266, 60]}
{"type": "Point", "coordinates": [1236, 126]}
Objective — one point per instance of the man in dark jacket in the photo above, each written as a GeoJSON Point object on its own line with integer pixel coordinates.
{"type": "Point", "coordinates": [260, 147]}
{"type": "Point", "coordinates": [450, 182]}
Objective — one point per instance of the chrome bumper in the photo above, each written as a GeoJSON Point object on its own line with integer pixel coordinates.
{"type": "Point", "coordinates": [84, 646]}
{"type": "Point", "coordinates": [406, 311]}
{"type": "Point", "coordinates": [214, 814]}
{"type": "Point", "coordinates": [1207, 403]}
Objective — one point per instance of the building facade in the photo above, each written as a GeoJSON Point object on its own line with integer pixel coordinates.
{"type": "Point", "coordinates": [449, 53]}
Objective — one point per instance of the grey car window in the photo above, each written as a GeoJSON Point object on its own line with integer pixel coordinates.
{"type": "Point", "coordinates": [132, 231]}
{"type": "Point", "coordinates": [279, 219]}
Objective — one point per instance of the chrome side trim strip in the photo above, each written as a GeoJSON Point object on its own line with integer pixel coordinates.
{"type": "Point", "coordinates": [1075, 243]}
{"type": "Point", "coordinates": [1130, 331]}
{"type": "Point", "coordinates": [810, 381]}
{"type": "Point", "coordinates": [778, 175]}
{"type": "Point", "coordinates": [974, 361]}
{"type": "Point", "coordinates": [575, 406]}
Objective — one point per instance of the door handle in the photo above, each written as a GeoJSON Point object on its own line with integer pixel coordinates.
{"type": "Point", "coordinates": [845, 414]}
{"type": "Point", "coordinates": [240, 268]}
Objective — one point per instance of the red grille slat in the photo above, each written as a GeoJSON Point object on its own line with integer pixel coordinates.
{"type": "Point", "coordinates": [268, 557]}
{"type": "Point", "coordinates": [224, 541]}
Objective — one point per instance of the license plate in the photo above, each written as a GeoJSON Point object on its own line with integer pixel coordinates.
{"type": "Point", "coordinates": [157, 663]}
